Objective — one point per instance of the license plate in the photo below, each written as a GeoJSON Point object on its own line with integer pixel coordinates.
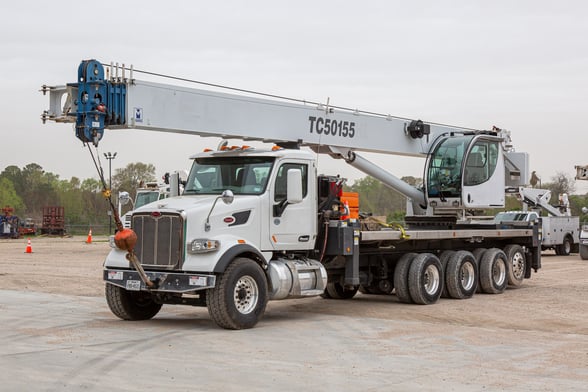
{"type": "Point", "coordinates": [133, 285]}
{"type": "Point", "coordinates": [197, 281]}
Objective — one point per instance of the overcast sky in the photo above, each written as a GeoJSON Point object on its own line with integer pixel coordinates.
{"type": "Point", "coordinates": [519, 65]}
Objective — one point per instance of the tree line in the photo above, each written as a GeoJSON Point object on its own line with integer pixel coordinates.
{"type": "Point", "coordinates": [27, 190]}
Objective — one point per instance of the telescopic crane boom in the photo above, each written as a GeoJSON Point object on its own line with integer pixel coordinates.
{"type": "Point", "coordinates": [97, 102]}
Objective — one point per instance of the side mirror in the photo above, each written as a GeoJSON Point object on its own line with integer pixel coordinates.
{"type": "Point", "coordinates": [227, 196]}
{"type": "Point", "coordinates": [294, 192]}
{"type": "Point", "coordinates": [124, 198]}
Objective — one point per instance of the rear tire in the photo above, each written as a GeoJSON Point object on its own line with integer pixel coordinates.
{"type": "Point", "coordinates": [494, 271]}
{"type": "Point", "coordinates": [444, 258]}
{"type": "Point", "coordinates": [478, 254]}
{"type": "Point", "coordinates": [516, 264]}
{"type": "Point", "coordinates": [425, 279]}
{"type": "Point", "coordinates": [131, 305]}
{"type": "Point", "coordinates": [462, 275]}
{"type": "Point", "coordinates": [584, 252]}
{"type": "Point", "coordinates": [240, 296]}
{"type": "Point", "coordinates": [566, 247]}
{"type": "Point", "coordinates": [401, 277]}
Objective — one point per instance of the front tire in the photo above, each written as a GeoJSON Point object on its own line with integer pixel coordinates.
{"type": "Point", "coordinates": [239, 299]}
{"type": "Point", "coordinates": [130, 305]}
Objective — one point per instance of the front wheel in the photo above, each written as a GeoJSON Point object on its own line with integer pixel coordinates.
{"type": "Point", "coordinates": [240, 296]}
{"type": "Point", "coordinates": [130, 305]}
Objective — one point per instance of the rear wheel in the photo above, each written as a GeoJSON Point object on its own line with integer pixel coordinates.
{"type": "Point", "coordinates": [444, 258]}
{"type": "Point", "coordinates": [131, 305]}
{"type": "Point", "coordinates": [401, 277]}
{"type": "Point", "coordinates": [478, 253]}
{"type": "Point", "coordinates": [516, 264]}
{"type": "Point", "coordinates": [566, 247]}
{"type": "Point", "coordinates": [425, 279]}
{"type": "Point", "coordinates": [584, 252]}
{"type": "Point", "coordinates": [494, 271]}
{"type": "Point", "coordinates": [239, 299]}
{"type": "Point", "coordinates": [461, 275]}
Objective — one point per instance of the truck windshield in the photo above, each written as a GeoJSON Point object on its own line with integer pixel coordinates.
{"type": "Point", "coordinates": [146, 197]}
{"type": "Point", "coordinates": [242, 175]}
{"type": "Point", "coordinates": [515, 217]}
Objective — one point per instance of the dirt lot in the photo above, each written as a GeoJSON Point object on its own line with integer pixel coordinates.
{"type": "Point", "coordinates": [547, 316]}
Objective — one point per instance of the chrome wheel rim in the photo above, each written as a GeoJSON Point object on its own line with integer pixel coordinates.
{"type": "Point", "coordinates": [432, 279]}
{"type": "Point", "coordinates": [468, 276]}
{"type": "Point", "coordinates": [518, 266]}
{"type": "Point", "coordinates": [246, 294]}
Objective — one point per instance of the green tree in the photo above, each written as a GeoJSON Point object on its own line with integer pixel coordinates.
{"type": "Point", "coordinates": [379, 199]}
{"type": "Point", "coordinates": [560, 183]}
{"type": "Point", "coordinates": [9, 197]}
{"type": "Point", "coordinates": [132, 176]}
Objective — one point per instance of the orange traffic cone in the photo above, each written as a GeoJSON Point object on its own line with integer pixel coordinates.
{"type": "Point", "coordinates": [29, 248]}
{"type": "Point", "coordinates": [89, 239]}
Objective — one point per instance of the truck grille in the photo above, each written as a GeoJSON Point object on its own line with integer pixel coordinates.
{"type": "Point", "coordinates": [160, 239]}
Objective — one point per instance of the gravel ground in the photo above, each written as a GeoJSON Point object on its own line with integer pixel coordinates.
{"type": "Point", "coordinates": [58, 332]}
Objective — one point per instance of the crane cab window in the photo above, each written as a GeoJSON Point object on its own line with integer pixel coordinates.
{"type": "Point", "coordinates": [281, 191]}
{"type": "Point", "coordinates": [481, 162]}
{"type": "Point", "coordinates": [445, 165]}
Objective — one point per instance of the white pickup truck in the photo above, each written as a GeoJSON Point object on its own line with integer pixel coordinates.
{"type": "Point", "coordinates": [560, 233]}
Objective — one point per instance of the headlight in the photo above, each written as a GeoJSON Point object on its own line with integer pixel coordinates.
{"type": "Point", "coordinates": [111, 242]}
{"type": "Point", "coordinates": [203, 245]}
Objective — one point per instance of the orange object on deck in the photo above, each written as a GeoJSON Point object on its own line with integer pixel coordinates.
{"type": "Point", "coordinates": [351, 200]}
{"type": "Point", "coordinates": [89, 239]}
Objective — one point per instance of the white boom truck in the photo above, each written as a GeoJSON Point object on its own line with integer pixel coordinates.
{"type": "Point", "coordinates": [559, 229]}
{"type": "Point", "coordinates": [582, 174]}
{"type": "Point", "coordinates": [254, 225]}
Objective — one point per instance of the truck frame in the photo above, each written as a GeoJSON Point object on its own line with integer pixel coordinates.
{"type": "Point", "coordinates": [254, 225]}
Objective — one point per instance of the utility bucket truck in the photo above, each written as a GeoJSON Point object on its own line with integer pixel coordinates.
{"type": "Point", "coordinates": [254, 225]}
{"type": "Point", "coordinates": [582, 174]}
{"type": "Point", "coordinates": [559, 229]}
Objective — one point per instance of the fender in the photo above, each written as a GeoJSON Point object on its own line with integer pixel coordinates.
{"type": "Point", "coordinates": [235, 251]}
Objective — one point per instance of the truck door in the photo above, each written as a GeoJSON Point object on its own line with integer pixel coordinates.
{"type": "Point", "coordinates": [294, 227]}
{"type": "Point", "coordinates": [483, 176]}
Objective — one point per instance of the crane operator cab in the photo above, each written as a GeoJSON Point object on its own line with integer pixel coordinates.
{"type": "Point", "coordinates": [465, 171]}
